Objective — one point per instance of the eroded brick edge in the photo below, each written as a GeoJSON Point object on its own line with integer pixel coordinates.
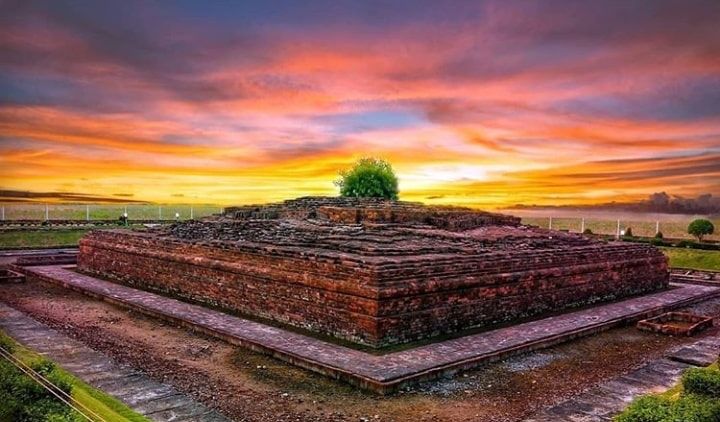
{"type": "Point", "coordinates": [353, 372]}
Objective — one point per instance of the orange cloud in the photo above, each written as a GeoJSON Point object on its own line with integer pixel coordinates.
{"type": "Point", "coordinates": [490, 104]}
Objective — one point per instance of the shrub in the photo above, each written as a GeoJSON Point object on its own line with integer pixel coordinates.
{"type": "Point", "coordinates": [628, 232]}
{"type": "Point", "coordinates": [6, 344]}
{"type": "Point", "coordinates": [658, 242]}
{"type": "Point", "coordinates": [647, 409]}
{"type": "Point", "coordinates": [695, 245]}
{"type": "Point", "coordinates": [23, 399]}
{"type": "Point", "coordinates": [687, 408]}
{"type": "Point", "coordinates": [701, 227]}
{"type": "Point", "coordinates": [369, 178]}
{"type": "Point", "coordinates": [688, 244]}
{"type": "Point", "coordinates": [702, 381]}
{"type": "Point", "coordinates": [587, 231]}
{"type": "Point", "coordinates": [659, 235]}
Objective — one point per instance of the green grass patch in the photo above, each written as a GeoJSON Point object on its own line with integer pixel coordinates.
{"type": "Point", "coordinates": [107, 407]}
{"type": "Point", "coordinates": [108, 211]}
{"type": "Point", "coordinates": [40, 238]}
{"type": "Point", "coordinates": [693, 258]}
{"type": "Point", "coordinates": [695, 399]}
{"type": "Point", "coordinates": [608, 226]}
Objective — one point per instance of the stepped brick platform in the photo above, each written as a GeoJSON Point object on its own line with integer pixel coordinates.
{"type": "Point", "coordinates": [391, 371]}
{"type": "Point", "coordinates": [370, 271]}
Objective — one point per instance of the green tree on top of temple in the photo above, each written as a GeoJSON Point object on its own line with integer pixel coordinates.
{"type": "Point", "coordinates": [369, 178]}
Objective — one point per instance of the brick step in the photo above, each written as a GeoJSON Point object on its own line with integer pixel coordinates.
{"type": "Point", "coordinates": [388, 372]}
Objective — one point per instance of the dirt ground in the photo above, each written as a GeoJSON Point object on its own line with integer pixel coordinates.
{"type": "Point", "coordinates": [247, 386]}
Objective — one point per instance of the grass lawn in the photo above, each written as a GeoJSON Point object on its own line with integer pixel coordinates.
{"type": "Point", "coordinates": [670, 229]}
{"type": "Point", "coordinates": [693, 258]}
{"type": "Point", "coordinates": [694, 399]}
{"type": "Point", "coordinates": [38, 238]}
{"type": "Point", "coordinates": [107, 211]}
{"type": "Point", "coordinates": [107, 407]}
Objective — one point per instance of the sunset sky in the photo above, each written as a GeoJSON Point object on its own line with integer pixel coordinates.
{"type": "Point", "coordinates": [477, 103]}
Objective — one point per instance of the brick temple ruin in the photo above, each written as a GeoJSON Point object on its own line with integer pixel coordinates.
{"type": "Point", "coordinates": [371, 271]}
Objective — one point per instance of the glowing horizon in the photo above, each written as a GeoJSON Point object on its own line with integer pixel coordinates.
{"type": "Point", "coordinates": [485, 104]}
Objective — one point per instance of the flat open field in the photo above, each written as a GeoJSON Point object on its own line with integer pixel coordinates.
{"type": "Point", "coordinates": [642, 224]}
{"type": "Point", "coordinates": [693, 258]}
{"type": "Point", "coordinates": [672, 226]}
{"type": "Point", "coordinates": [40, 238]}
{"type": "Point", "coordinates": [107, 211]}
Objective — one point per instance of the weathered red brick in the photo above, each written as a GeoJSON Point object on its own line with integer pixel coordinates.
{"type": "Point", "coordinates": [371, 271]}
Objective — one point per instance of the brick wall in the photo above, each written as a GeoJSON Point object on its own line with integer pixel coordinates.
{"type": "Point", "coordinates": [380, 299]}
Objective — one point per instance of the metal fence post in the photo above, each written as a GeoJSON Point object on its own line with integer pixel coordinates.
{"type": "Point", "coordinates": [159, 212]}
{"type": "Point", "coordinates": [47, 212]}
{"type": "Point", "coordinates": [657, 227]}
{"type": "Point", "coordinates": [582, 225]}
{"type": "Point", "coordinates": [87, 212]}
{"type": "Point", "coordinates": [617, 232]}
{"type": "Point", "coordinates": [550, 223]}
{"type": "Point", "coordinates": [191, 212]}
{"type": "Point", "coordinates": [3, 213]}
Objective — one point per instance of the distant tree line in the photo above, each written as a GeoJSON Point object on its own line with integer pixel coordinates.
{"type": "Point", "coordinates": [659, 202]}
{"type": "Point", "coordinates": [662, 202]}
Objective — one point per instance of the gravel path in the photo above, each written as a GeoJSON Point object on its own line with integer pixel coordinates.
{"type": "Point", "coordinates": [158, 402]}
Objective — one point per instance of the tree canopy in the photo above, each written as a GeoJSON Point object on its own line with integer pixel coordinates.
{"type": "Point", "coordinates": [701, 227]}
{"type": "Point", "coordinates": [369, 178]}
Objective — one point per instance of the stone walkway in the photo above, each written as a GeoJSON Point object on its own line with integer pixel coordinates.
{"type": "Point", "coordinates": [391, 371]}
{"type": "Point", "coordinates": [156, 401]}
{"type": "Point", "coordinates": [8, 257]}
{"type": "Point", "coordinates": [607, 399]}
{"type": "Point", "coordinates": [27, 252]}
{"type": "Point", "coordinates": [709, 278]}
